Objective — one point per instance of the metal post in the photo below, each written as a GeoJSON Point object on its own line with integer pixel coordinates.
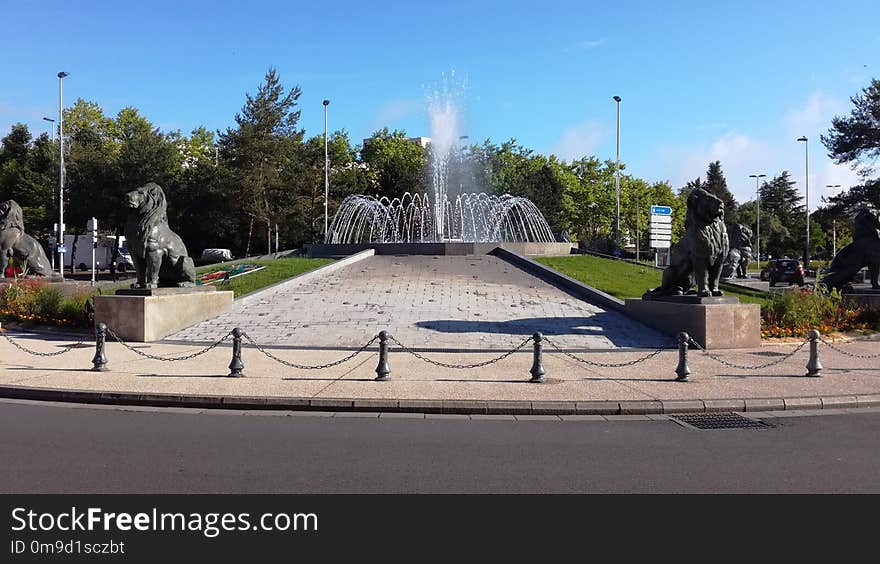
{"type": "Point", "coordinates": [814, 367]}
{"type": "Point", "coordinates": [757, 177]}
{"type": "Point", "coordinates": [60, 243]}
{"type": "Point", "coordinates": [834, 237]}
{"type": "Point", "coordinates": [537, 370]}
{"type": "Point", "coordinates": [637, 225]}
{"type": "Point", "coordinates": [383, 371]}
{"type": "Point", "coordinates": [682, 370]}
{"type": "Point", "coordinates": [807, 194]}
{"type": "Point", "coordinates": [236, 367]}
{"type": "Point", "coordinates": [617, 176]}
{"type": "Point", "coordinates": [99, 362]}
{"type": "Point", "coordinates": [326, 171]}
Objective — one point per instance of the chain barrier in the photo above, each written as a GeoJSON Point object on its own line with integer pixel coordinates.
{"type": "Point", "coordinates": [729, 364]}
{"type": "Point", "coordinates": [168, 358]}
{"type": "Point", "coordinates": [307, 366]}
{"type": "Point", "coordinates": [67, 348]}
{"type": "Point", "coordinates": [582, 360]}
{"type": "Point", "coordinates": [459, 366]}
{"type": "Point", "coordinates": [846, 352]}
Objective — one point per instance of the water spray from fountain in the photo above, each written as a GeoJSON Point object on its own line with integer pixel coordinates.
{"type": "Point", "coordinates": [448, 213]}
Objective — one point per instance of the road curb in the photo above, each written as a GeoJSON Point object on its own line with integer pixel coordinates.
{"type": "Point", "coordinates": [448, 407]}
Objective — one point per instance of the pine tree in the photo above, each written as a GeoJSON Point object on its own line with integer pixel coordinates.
{"type": "Point", "coordinates": [716, 184]}
{"type": "Point", "coordinates": [262, 150]}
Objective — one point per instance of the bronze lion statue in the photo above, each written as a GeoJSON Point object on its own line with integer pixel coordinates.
{"type": "Point", "coordinates": [864, 251]}
{"type": "Point", "coordinates": [15, 243]}
{"type": "Point", "coordinates": [700, 253]}
{"type": "Point", "coordinates": [737, 262]}
{"type": "Point", "coordinates": [158, 253]}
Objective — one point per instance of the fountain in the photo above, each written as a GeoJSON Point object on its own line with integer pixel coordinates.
{"type": "Point", "coordinates": [449, 213]}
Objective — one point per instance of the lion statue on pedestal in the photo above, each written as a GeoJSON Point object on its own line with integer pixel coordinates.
{"type": "Point", "coordinates": [700, 253]}
{"type": "Point", "coordinates": [159, 255]}
{"type": "Point", "coordinates": [864, 251]}
{"type": "Point", "coordinates": [737, 262]}
{"type": "Point", "coordinates": [15, 243]}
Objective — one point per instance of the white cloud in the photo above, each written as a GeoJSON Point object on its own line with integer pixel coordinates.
{"type": "Point", "coordinates": [584, 45]}
{"type": "Point", "coordinates": [815, 117]}
{"type": "Point", "coordinates": [578, 140]}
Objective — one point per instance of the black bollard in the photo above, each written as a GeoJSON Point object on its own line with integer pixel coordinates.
{"type": "Point", "coordinates": [236, 366]}
{"type": "Point", "coordinates": [814, 367]}
{"type": "Point", "coordinates": [99, 362]}
{"type": "Point", "coordinates": [682, 370]}
{"type": "Point", "coordinates": [537, 370]}
{"type": "Point", "coordinates": [383, 371]}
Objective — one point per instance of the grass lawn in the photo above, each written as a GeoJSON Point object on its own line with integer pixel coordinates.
{"type": "Point", "coordinates": [622, 279]}
{"type": "Point", "coordinates": [276, 270]}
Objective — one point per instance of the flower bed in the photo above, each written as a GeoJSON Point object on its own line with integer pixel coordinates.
{"type": "Point", "coordinates": [36, 301]}
{"type": "Point", "coordinates": [794, 314]}
{"type": "Point", "coordinates": [227, 272]}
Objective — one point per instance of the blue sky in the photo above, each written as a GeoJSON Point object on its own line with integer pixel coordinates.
{"type": "Point", "coordinates": [736, 81]}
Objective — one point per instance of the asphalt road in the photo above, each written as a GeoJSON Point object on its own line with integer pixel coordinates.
{"type": "Point", "coordinates": [57, 448]}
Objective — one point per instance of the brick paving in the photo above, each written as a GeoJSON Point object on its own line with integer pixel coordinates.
{"type": "Point", "coordinates": [442, 302]}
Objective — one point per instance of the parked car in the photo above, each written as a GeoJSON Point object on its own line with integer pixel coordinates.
{"type": "Point", "coordinates": [784, 270]}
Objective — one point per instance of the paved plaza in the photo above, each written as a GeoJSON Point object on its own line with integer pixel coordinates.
{"type": "Point", "coordinates": [433, 302]}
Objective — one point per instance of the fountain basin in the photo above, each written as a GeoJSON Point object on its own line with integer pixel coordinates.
{"type": "Point", "coordinates": [329, 250]}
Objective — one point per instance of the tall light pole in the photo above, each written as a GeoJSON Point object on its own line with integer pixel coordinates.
{"type": "Point", "coordinates": [617, 177]}
{"type": "Point", "coordinates": [807, 193]}
{"type": "Point", "coordinates": [833, 226]}
{"type": "Point", "coordinates": [326, 172]}
{"type": "Point", "coordinates": [60, 247]}
{"type": "Point", "coordinates": [51, 128]}
{"type": "Point", "coordinates": [757, 219]}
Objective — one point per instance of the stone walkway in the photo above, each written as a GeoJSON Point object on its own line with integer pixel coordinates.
{"type": "Point", "coordinates": [441, 302]}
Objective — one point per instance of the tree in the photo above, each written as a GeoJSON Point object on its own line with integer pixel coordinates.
{"type": "Point", "coordinates": [26, 176]}
{"type": "Point", "coordinates": [261, 150]}
{"type": "Point", "coordinates": [395, 164]}
{"type": "Point", "coordinates": [716, 184]}
{"type": "Point", "coordinates": [782, 216]}
{"type": "Point", "coordinates": [856, 137]}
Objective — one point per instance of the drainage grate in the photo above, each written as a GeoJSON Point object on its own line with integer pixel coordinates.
{"type": "Point", "coordinates": [704, 421]}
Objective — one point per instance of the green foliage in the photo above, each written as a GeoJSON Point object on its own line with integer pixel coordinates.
{"type": "Point", "coordinates": [395, 165]}
{"type": "Point", "coordinates": [856, 138]}
{"type": "Point", "coordinates": [794, 314]}
{"type": "Point", "coordinates": [38, 302]}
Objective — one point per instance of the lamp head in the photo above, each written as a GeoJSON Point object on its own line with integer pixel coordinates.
{"type": "Point", "coordinates": [326, 102]}
{"type": "Point", "coordinates": [49, 119]}
{"type": "Point", "coordinates": [802, 138]}
{"type": "Point", "coordinates": [617, 98]}
{"type": "Point", "coordinates": [63, 74]}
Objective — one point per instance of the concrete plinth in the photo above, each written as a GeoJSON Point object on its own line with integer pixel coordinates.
{"type": "Point", "coordinates": [145, 318]}
{"type": "Point", "coordinates": [867, 298]}
{"type": "Point", "coordinates": [729, 325]}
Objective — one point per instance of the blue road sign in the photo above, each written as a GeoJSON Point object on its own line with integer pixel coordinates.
{"type": "Point", "coordinates": [661, 210]}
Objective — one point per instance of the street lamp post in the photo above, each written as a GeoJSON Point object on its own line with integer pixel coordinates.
{"type": "Point", "coordinates": [833, 226]}
{"type": "Point", "coordinates": [51, 128]}
{"type": "Point", "coordinates": [807, 193]}
{"type": "Point", "coordinates": [60, 243]}
{"type": "Point", "coordinates": [757, 219]}
{"type": "Point", "coordinates": [617, 177]}
{"type": "Point", "coordinates": [326, 172]}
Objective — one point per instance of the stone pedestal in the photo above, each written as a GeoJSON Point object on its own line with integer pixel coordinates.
{"type": "Point", "coordinates": [150, 315]}
{"type": "Point", "coordinates": [867, 298]}
{"type": "Point", "coordinates": [715, 323]}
